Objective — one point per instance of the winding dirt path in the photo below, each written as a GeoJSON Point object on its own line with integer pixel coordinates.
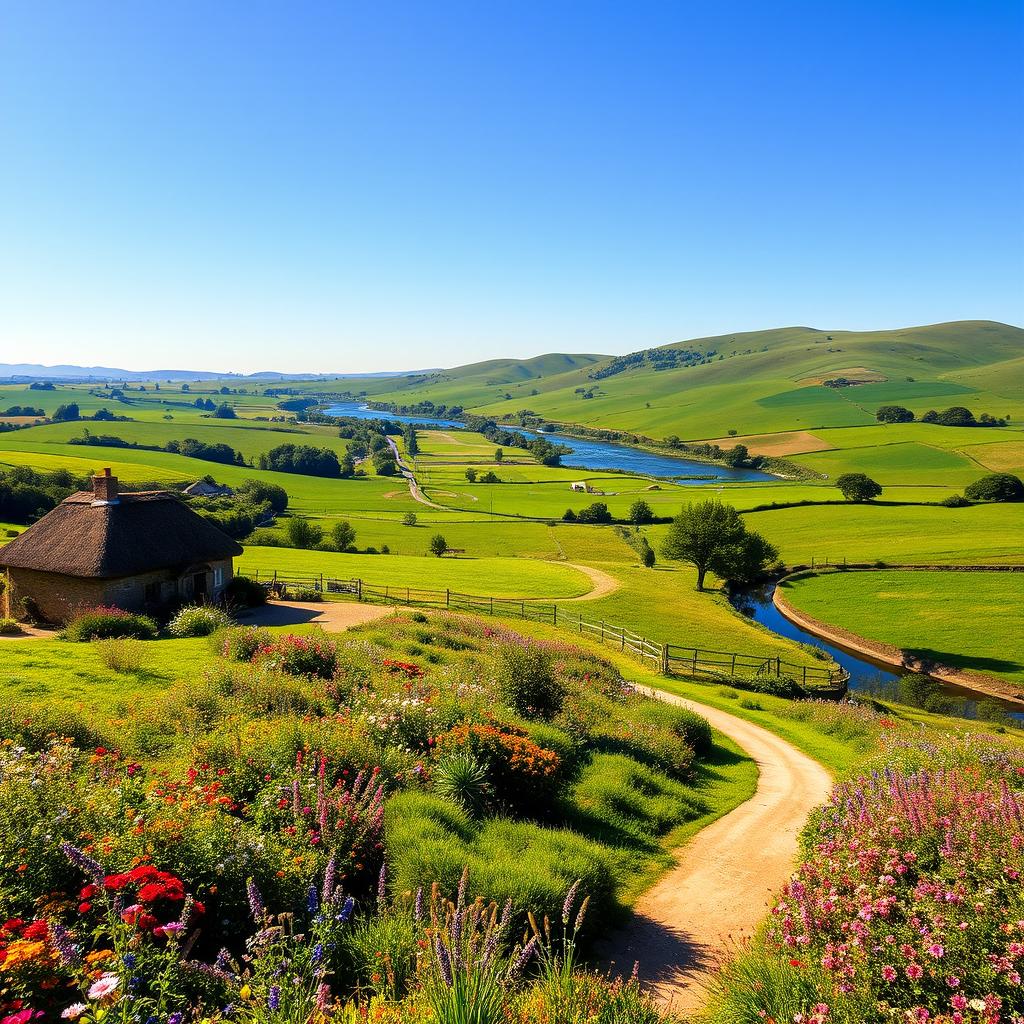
{"type": "Point", "coordinates": [687, 925]}
{"type": "Point", "coordinates": [604, 583]}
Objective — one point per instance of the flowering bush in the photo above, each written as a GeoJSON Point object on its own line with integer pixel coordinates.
{"type": "Point", "coordinates": [241, 643]}
{"type": "Point", "coordinates": [909, 901]}
{"type": "Point", "coordinates": [198, 620]}
{"type": "Point", "coordinates": [313, 655]}
{"type": "Point", "coordinates": [103, 622]}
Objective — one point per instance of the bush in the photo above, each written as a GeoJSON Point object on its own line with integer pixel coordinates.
{"type": "Point", "coordinates": [955, 501]}
{"type": "Point", "coordinates": [198, 620]}
{"type": "Point", "coordinates": [527, 681]}
{"type": "Point", "coordinates": [103, 623]}
{"type": "Point", "coordinates": [996, 487]}
{"type": "Point", "coordinates": [244, 592]}
{"type": "Point", "coordinates": [304, 594]}
{"type": "Point", "coordinates": [313, 655]}
{"type": "Point", "coordinates": [9, 627]}
{"type": "Point", "coordinates": [121, 654]}
{"type": "Point", "coordinates": [695, 729]}
{"type": "Point", "coordinates": [460, 777]}
{"type": "Point", "coordinates": [240, 643]}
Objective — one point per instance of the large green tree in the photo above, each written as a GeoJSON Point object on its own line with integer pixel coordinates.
{"type": "Point", "coordinates": [858, 487]}
{"type": "Point", "coordinates": [713, 538]}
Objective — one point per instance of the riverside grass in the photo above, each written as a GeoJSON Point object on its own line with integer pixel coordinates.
{"type": "Point", "coordinates": [969, 620]}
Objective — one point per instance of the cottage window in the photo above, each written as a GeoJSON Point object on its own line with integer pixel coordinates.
{"type": "Point", "coordinates": [218, 578]}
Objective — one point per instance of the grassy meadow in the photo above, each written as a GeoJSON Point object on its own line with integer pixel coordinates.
{"type": "Point", "coordinates": [969, 620]}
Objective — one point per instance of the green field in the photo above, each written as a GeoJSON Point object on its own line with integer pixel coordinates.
{"type": "Point", "coordinates": [970, 620]}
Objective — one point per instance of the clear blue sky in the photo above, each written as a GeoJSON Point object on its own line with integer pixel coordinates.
{"type": "Point", "coordinates": [340, 186]}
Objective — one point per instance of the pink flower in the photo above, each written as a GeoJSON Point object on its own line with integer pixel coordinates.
{"type": "Point", "coordinates": [106, 986]}
{"type": "Point", "coordinates": [74, 1011]}
{"type": "Point", "coordinates": [936, 951]}
{"type": "Point", "coordinates": [914, 971]}
{"type": "Point", "coordinates": [889, 973]}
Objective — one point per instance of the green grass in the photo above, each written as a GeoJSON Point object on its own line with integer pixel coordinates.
{"type": "Point", "coordinates": [506, 577]}
{"type": "Point", "coordinates": [970, 620]}
{"type": "Point", "coordinates": [910, 535]}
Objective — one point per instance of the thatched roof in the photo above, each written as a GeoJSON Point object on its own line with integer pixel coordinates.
{"type": "Point", "coordinates": [136, 533]}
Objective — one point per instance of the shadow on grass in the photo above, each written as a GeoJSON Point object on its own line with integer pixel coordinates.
{"type": "Point", "coordinates": [928, 657]}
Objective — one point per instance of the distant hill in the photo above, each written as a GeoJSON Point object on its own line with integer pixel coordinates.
{"type": "Point", "coordinates": [36, 371]}
{"type": "Point", "coordinates": [751, 382]}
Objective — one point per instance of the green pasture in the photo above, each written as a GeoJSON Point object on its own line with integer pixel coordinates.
{"type": "Point", "coordinates": [903, 534]}
{"type": "Point", "coordinates": [900, 463]}
{"type": "Point", "coordinates": [970, 620]}
{"type": "Point", "coordinates": [505, 577]}
{"type": "Point", "coordinates": [930, 434]}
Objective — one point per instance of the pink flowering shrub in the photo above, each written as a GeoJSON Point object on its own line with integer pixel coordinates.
{"type": "Point", "coordinates": [910, 895]}
{"type": "Point", "coordinates": [300, 656]}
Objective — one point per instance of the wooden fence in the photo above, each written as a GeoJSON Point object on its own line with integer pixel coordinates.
{"type": "Point", "coordinates": [669, 658]}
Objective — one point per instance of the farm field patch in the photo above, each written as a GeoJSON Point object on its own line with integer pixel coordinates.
{"type": "Point", "coordinates": [969, 620]}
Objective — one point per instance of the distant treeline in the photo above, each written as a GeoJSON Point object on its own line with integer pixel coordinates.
{"type": "Point", "coordinates": [26, 494]}
{"type": "Point", "coordinates": [954, 416]}
{"type": "Point", "coordinates": [656, 358]}
{"type": "Point", "coordinates": [222, 453]}
{"type": "Point", "coordinates": [544, 451]}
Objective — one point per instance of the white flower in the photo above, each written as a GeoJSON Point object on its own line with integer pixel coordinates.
{"type": "Point", "coordinates": [74, 1011]}
{"type": "Point", "coordinates": [104, 987]}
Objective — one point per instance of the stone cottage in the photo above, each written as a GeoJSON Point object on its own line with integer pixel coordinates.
{"type": "Point", "coordinates": [141, 551]}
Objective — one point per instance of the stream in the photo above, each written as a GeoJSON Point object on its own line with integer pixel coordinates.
{"type": "Point", "coordinates": [866, 674]}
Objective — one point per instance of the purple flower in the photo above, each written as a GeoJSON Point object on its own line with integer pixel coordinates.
{"type": "Point", "coordinates": [329, 878]}
{"type": "Point", "coordinates": [525, 956]}
{"type": "Point", "coordinates": [91, 867]}
{"type": "Point", "coordinates": [443, 960]}
{"type": "Point", "coordinates": [312, 899]}
{"type": "Point", "coordinates": [419, 904]}
{"type": "Point", "coordinates": [382, 881]}
{"type": "Point", "coordinates": [176, 1018]}
{"type": "Point", "coordinates": [570, 899]}
{"type": "Point", "coordinates": [256, 907]}
{"type": "Point", "coordinates": [67, 951]}
{"type": "Point", "coordinates": [274, 997]}
{"type": "Point", "coordinates": [346, 910]}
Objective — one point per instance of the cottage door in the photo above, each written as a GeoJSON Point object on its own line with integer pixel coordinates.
{"type": "Point", "coordinates": [199, 588]}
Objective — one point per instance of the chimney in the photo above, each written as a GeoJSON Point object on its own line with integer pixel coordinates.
{"type": "Point", "coordinates": [104, 489]}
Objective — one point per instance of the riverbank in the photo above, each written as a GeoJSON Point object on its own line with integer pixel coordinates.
{"type": "Point", "coordinates": [978, 682]}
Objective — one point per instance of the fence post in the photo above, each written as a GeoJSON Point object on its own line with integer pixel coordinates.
{"type": "Point", "coordinates": [805, 675]}
{"type": "Point", "coordinates": [664, 659]}
{"type": "Point", "coordinates": [581, 622]}
{"type": "Point", "coordinates": [492, 605]}
{"type": "Point", "coordinates": [359, 589]}
{"type": "Point", "coordinates": [732, 671]}
{"type": "Point", "coordinates": [622, 638]}
{"type": "Point", "coordinates": [447, 597]}
{"type": "Point", "coordinates": [602, 631]}
{"type": "Point", "coordinates": [778, 666]}
{"type": "Point", "coordinates": [695, 661]}
{"type": "Point", "coordinates": [554, 615]}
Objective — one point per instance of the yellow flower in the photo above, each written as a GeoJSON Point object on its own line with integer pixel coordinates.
{"type": "Point", "coordinates": [245, 992]}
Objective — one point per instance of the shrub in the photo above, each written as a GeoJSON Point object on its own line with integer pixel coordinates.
{"type": "Point", "coordinates": [304, 594]}
{"type": "Point", "coordinates": [955, 501]}
{"type": "Point", "coordinates": [996, 487]}
{"type": "Point", "coordinates": [460, 777]}
{"type": "Point", "coordinates": [122, 654]}
{"type": "Point", "coordinates": [527, 681]}
{"type": "Point", "coordinates": [695, 729]}
{"type": "Point", "coordinates": [244, 592]}
{"type": "Point", "coordinates": [9, 627]}
{"type": "Point", "coordinates": [103, 623]}
{"type": "Point", "coordinates": [313, 655]}
{"type": "Point", "coordinates": [240, 643]}
{"type": "Point", "coordinates": [198, 620]}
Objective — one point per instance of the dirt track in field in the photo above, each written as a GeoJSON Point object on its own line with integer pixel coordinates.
{"type": "Point", "coordinates": [686, 926]}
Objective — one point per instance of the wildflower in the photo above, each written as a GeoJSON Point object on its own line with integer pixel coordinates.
{"type": "Point", "coordinates": [889, 973]}
{"type": "Point", "coordinates": [914, 971]}
{"type": "Point", "coordinates": [74, 1011]}
{"type": "Point", "coordinates": [256, 907]}
{"type": "Point", "coordinates": [106, 986]}
{"type": "Point", "coordinates": [274, 998]}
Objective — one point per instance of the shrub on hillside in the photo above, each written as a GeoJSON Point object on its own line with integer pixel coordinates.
{"type": "Point", "coordinates": [996, 487]}
{"type": "Point", "coordinates": [9, 627]}
{"type": "Point", "coordinates": [313, 655]}
{"type": "Point", "coordinates": [198, 620]}
{"type": "Point", "coordinates": [527, 681]}
{"type": "Point", "coordinates": [955, 501]}
{"type": "Point", "coordinates": [121, 654]}
{"type": "Point", "coordinates": [244, 592]}
{"type": "Point", "coordinates": [240, 643]}
{"type": "Point", "coordinates": [105, 622]}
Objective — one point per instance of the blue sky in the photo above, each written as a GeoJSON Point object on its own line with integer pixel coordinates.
{"type": "Point", "coordinates": [339, 186]}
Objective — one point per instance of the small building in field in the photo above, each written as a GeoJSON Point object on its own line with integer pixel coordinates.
{"type": "Point", "coordinates": [580, 485]}
{"type": "Point", "coordinates": [142, 551]}
{"type": "Point", "coordinates": [205, 489]}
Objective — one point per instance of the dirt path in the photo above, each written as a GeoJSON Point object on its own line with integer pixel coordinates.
{"type": "Point", "coordinates": [333, 616]}
{"type": "Point", "coordinates": [414, 487]}
{"type": "Point", "coordinates": [604, 583]}
{"type": "Point", "coordinates": [719, 891]}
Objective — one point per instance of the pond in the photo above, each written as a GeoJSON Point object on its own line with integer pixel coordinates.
{"type": "Point", "coordinates": [361, 411]}
{"type": "Point", "coordinates": [866, 674]}
{"type": "Point", "coordinates": [605, 455]}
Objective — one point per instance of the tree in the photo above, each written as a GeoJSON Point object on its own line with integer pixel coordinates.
{"type": "Point", "coordinates": [956, 416]}
{"type": "Point", "coordinates": [471, 475]}
{"type": "Point", "coordinates": [438, 545]}
{"type": "Point", "coordinates": [498, 454]}
{"type": "Point", "coordinates": [258, 491]}
{"type": "Point", "coordinates": [712, 537]}
{"type": "Point", "coordinates": [996, 487]}
{"type": "Point", "coordinates": [224, 412]}
{"type": "Point", "coordinates": [409, 519]}
{"type": "Point", "coordinates": [412, 444]}
{"type": "Point", "coordinates": [597, 512]}
{"type": "Point", "coordinates": [640, 513]}
{"type": "Point", "coordinates": [304, 534]}
{"type": "Point", "coordinates": [647, 555]}
{"type": "Point", "coordinates": [65, 413]}
{"type": "Point", "coordinates": [490, 477]}
{"type": "Point", "coordinates": [858, 487]}
{"type": "Point", "coordinates": [736, 456]}
{"type": "Point", "coordinates": [746, 561]}
{"type": "Point", "coordinates": [894, 414]}
{"type": "Point", "coordinates": [343, 535]}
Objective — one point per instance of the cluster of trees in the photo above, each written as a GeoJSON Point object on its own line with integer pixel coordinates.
{"type": "Point", "coordinates": [222, 453]}
{"type": "Point", "coordinates": [305, 459]}
{"type": "Point", "coordinates": [489, 477]}
{"type": "Point", "coordinates": [954, 416]}
{"type": "Point", "coordinates": [656, 358]}
{"type": "Point", "coordinates": [221, 412]}
{"type": "Point", "coordinates": [596, 512]}
{"type": "Point", "coordinates": [412, 444]}
{"type": "Point", "coordinates": [70, 412]}
{"type": "Point", "coordinates": [26, 494]}
{"type": "Point", "coordinates": [22, 410]}
{"type": "Point", "coordinates": [255, 503]}
{"type": "Point", "coordinates": [996, 487]}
